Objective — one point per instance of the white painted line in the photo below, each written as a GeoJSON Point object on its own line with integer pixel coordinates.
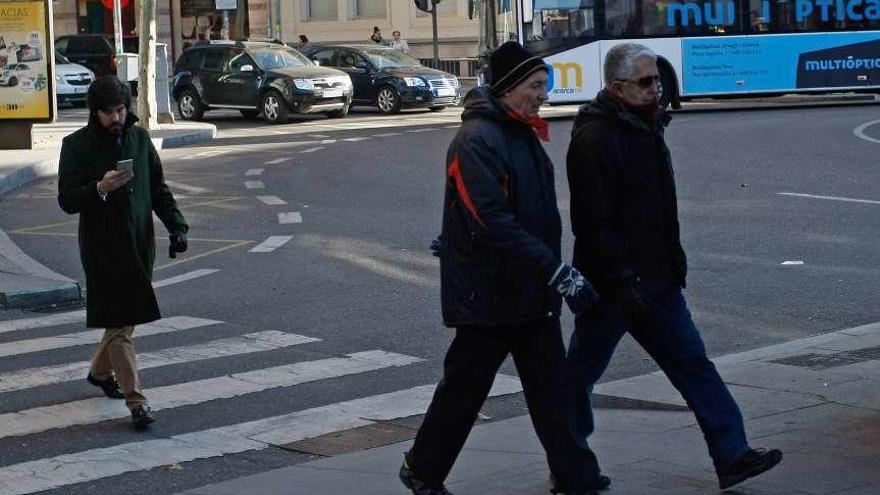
{"type": "Point", "coordinates": [187, 187]}
{"type": "Point", "coordinates": [456, 126]}
{"type": "Point", "coordinates": [255, 171]}
{"type": "Point", "coordinates": [860, 131]}
{"type": "Point", "coordinates": [95, 410]}
{"type": "Point", "coordinates": [387, 134]}
{"type": "Point", "coordinates": [290, 217]}
{"type": "Point", "coordinates": [328, 141]}
{"type": "Point", "coordinates": [272, 200]}
{"type": "Point", "coordinates": [789, 263]}
{"type": "Point", "coordinates": [356, 139]}
{"type": "Point", "coordinates": [312, 150]}
{"type": "Point", "coordinates": [43, 321]}
{"type": "Point", "coordinates": [79, 467]}
{"type": "Point", "coordinates": [272, 243]}
{"type": "Point", "coordinates": [282, 132]}
{"type": "Point", "coordinates": [165, 325]}
{"type": "Point", "coordinates": [278, 160]}
{"type": "Point", "coordinates": [184, 277]}
{"type": "Point", "coordinates": [419, 130]}
{"type": "Point", "coordinates": [233, 346]}
{"type": "Point", "coordinates": [831, 198]}
{"type": "Point", "coordinates": [319, 136]}
{"type": "Point", "coordinates": [254, 184]}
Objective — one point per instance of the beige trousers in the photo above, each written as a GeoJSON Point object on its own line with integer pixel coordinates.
{"type": "Point", "coordinates": [115, 355]}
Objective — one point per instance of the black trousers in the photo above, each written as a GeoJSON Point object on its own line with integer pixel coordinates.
{"type": "Point", "coordinates": [471, 362]}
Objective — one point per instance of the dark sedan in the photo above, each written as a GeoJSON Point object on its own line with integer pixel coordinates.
{"type": "Point", "coordinates": [389, 79]}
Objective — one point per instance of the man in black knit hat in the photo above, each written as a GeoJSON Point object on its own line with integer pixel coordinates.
{"type": "Point", "coordinates": [502, 280]}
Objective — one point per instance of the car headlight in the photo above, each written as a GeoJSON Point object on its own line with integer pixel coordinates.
{"type": "Point", "coordinates": [455, 82]}
{"type": "Point", "coordinates": [57, 78]}
{"type": "Point", "coordinates": [304, 84]}
{"type": "Point", "coordinates": [414, 81]}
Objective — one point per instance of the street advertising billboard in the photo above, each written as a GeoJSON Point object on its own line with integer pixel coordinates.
{"type": "Point", "coordinates": [809, 61]}
{"type": "Point", "coordinates": [27, 89]}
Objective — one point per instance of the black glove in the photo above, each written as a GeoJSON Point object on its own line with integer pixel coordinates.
{"type": "Point", "coordinates": [578, 293]}
{"type": "Point", "coordinates": [436, 246]}
{"type": "Point", "coordinates": [178, 244]}
{"type": "Point", "coordinates": [632, 299]}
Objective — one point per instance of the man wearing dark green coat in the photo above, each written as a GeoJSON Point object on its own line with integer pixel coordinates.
{"type": "Point", "coordinates": [110, 174]}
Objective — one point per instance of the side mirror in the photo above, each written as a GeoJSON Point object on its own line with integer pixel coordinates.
{"type": "Point", "coordinates": [247, 68]}
{"type": "Point", "coordinates": [361, 65]}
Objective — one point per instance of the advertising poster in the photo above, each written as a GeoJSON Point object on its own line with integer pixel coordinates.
{"type": "Point", "coordinates": [741, 64]}
{"type": "Point", "coordinates": [26, 89]}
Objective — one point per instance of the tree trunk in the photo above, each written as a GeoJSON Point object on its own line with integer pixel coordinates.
{"type": "Point", "coordinates": [147, 111]}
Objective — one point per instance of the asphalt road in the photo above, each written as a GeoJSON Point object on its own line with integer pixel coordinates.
{"type": "Point", "coordinates": [780, 216]}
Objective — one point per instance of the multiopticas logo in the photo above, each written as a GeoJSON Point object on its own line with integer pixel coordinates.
{"type": "Point", "coordinates": [568, 77]}
{"type": "Point", "coordinates": [722, 13]}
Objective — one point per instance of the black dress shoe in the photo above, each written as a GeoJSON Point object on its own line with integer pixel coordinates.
{"type": "Point", "coordinates": [418, 486]}
{"type": "Point", "coordinates": [109, 386]}
{"type": "Point", "coordinates": [750, 464]}
{"type": "Point", "coordinates": [141, 417]}
{"type": "Point", "coordinates": [600, 482]}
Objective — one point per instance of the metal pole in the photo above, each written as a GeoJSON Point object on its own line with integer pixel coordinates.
{"type": "Point", "coordinates": [117, 26]}
{"type": "Point", "coordinates": [434, 28]}
{"type": "Point", "coordinates": [278, 24]}
{"type": "Point", "coordinates": [225, 30]}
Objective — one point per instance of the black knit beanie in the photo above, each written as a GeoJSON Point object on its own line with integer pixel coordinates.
{"type": "Point", "coordinates": [510, 65]}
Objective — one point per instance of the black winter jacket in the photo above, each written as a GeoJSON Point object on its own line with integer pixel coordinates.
{"type": "Point", "coordinates": [501, 226]}
{"type": "Point", "coordinates": [623, 204]}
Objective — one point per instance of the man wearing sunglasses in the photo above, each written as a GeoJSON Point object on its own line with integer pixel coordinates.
{"type": "Point", "coordinates": [625, 222]}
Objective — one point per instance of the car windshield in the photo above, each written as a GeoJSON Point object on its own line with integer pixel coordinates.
{"type": "Point", "coordinates": [274, 58]}
{"type": "Point", "coordinates": [60, 59]}
{"type": "Point", "coordinates": [389, 57]}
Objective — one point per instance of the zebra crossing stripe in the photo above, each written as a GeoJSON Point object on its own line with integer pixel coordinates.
{"type": "Point", "coordinates": [165, 325]}
{"type": "Point", "coordinates": [290, 217]}
{"type": "Point", "coordinates": [244, 344]}
{"type": "Point", "coordinates": [255, 171]}
{"type": "Point", "coordinates": [90, 465]}
{"type": "Point", "coordinates": [254, 184]}
{"type": "Point", "coordinates": [272, 200]}
{"type": "Point", "coordinates": [184, 277]}
{"type": "Point", "coordinates": [278, 160]}
{"type": "Point", "coordinates": [95, 410]}
{"type": "Point", "coordinates": [271, 244]}
{"type": "Point", "coordinates": [43, 321]}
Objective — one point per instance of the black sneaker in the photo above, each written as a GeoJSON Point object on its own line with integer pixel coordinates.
{"type": "Point", "coordinates": [141, 417]}
{"type": "Point", "coordinates": [109, 386]}
{"type": "Point", "coordinates": [418, 486]}
{"type": "Point", "coordinates": [600, 482]}
{"type": "Point", "coordinates": [750, 464]}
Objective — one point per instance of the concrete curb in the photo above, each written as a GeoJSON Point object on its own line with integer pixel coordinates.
{"type": "Point", "coordinates": [27, 173]}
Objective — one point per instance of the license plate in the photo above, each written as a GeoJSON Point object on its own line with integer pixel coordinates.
{"type": "Point", "coordinates": [446, 92]}
{"type": "Point", "coordinates": [80, 90]}
{"type": "Point", "coordinates": [332, 93]}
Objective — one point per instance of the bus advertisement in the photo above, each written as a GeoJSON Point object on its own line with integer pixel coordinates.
{"type": "Point", "coordinates": [721, 48]}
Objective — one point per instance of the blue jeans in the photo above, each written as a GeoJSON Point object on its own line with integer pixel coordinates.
{"type": "Point", "coordinates": [673, 341]}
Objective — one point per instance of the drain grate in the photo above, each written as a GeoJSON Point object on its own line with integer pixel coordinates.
{"type": "Point", "coordinates": [815, 361]}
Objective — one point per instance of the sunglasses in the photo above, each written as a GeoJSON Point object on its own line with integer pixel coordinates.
{"type": "Point", "coordinates": [643, 82]}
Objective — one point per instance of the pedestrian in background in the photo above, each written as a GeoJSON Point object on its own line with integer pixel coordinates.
{"type": "Point", "coordinates": [625, 221]}
{"type": "Point", "coordinates": [376, 37]}
{"type": "Point", "coordinates": [304, 43]}
{"type": "Point", "coordinates": [501, 280]}
{"type": "Point", "coordinates": [115, 204]}
{"type": "Point", "coordinates": [399, 44]}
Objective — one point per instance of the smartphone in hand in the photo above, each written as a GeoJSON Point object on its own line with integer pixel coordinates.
{"type": "Point", "coordinates": [125, 165]}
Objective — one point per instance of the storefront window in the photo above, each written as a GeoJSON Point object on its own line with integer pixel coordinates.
{"type": "Point", "coordinates": [201, 22]}
{"type": "Point", "coordinates": [319, 10]}
{"type": "Point", "coordinates": [370, 8]}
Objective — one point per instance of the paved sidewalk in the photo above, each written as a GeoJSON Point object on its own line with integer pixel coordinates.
{"type": "Point", "coordinates": [817, 399]}
{"type": "Point", "coordinates": [23, 281]}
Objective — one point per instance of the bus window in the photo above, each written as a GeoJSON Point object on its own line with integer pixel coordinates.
{"type": "Point", "coordinates": [558, 24]}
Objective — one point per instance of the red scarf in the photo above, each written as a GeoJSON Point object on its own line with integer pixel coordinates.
{"type": "Point", "coordinates": [540, 126]}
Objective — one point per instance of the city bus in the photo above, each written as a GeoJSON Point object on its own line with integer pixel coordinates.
{"type": "Point", "coordinates": [706, 48]}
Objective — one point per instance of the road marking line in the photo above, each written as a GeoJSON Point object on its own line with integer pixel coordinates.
{"type": "Point", "coordinates": [278, 160]}
{"type": "Point", "coordinates": [290, 217]}
{"type": "Point", "coordinates": [165, 325]}
{"type": "Point", "coordinates": [353, 140]}
{"type": "Point", "coordinates": [419, 130]}
{"type": "Point", "coordinates": [254, 184]}
{"type": "Point", "coordinates": [328, 141]}
{"type": "Point", "coordinates": [97, 409]}
{"type": "Point", "coordinates": [187, 187]}
{"type": "Point", "coordinates": [43, 321]}
{"type": "Point", "coordinates": [793, 262]}
{"type": "Point", "coordinates": [272, 200]}
{"type": "Point", "coordinates": [456, 126]}
{"type": "Point", "coordinates": [79, 467]}
{"type": "Point", "coordinates": [860, 131]}
{"type": "Point", "coordinates": [272, 243]}
{"type": "Point", "coordinates": [255, 171]}
{"type": "Point", "coordinates": [319, 136]}
{"type": "Point", "coordinates": [831, 198]}
{"type": "Point", "coordinates": [184, 277]}
{"type": "Point", "coordinates": [312, 150]}
{"type": "Point", "coordinates": [233, 346]}
{"type": "Point", "coordinates": [282, 132]}
{"type": "Point", "coordinates": [387, 134]}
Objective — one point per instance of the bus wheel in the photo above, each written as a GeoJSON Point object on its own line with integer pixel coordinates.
{"type": "Point", "coordinates": [667, 87]}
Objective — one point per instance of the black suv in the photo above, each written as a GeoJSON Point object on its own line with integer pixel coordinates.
{"type": "Point", "coordinates": [257, 77]}
{"type": "Point", "coordinates": [389, 79]}
{"type": "Point", "coordinates": [94, 51]}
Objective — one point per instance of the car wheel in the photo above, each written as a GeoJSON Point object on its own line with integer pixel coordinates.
{"type": "Point", "coordinates": [388, 100]}
{"type": "Point", "coordinates": [190, 106]}
{"type": "Point", "coordinates": [438, 108]}
{"type": "Point", "coordinates": [13, 82]}
{"type": "Point", "coordinates": [250, 113]}
{"type": "Point", "coordinates": [275, 108]}
{"type": "Point", "coordinates": [338, 114]}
